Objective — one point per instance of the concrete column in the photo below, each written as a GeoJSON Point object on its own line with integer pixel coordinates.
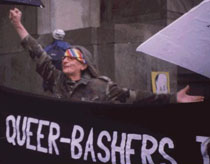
{"type": "Point", "coordinates": [45, 18]}
{"type": "Point", "coordinates": [68, 15]}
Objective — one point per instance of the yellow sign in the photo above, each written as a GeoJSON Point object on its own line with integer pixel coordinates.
{"type": "Point", "coordinates": [160, 82]}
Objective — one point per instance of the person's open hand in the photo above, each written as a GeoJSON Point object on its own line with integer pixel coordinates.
{"type": "Point", "coordinates": [15, 16]}
{"type": "Point", "coordinates": [183, 97]}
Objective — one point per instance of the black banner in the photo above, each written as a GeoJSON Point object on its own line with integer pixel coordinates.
{"type": "Point", "coordinates": [37, 3]}
{"type": "Point", "coordinates": [35, 129]}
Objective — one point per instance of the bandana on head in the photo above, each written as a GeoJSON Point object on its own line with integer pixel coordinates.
{"type": "Point", "coordinates": [75, 53]}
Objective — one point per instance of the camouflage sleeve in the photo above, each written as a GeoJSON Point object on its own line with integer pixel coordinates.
{"type": "Point", "coordinates": [44, 65]}
{"type": "Point", "coordinates": [123, 95]}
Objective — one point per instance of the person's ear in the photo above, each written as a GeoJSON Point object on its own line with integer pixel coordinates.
{"type": "Point", "coordinates": [84, 66]}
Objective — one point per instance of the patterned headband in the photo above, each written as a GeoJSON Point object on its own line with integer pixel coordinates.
{"type": "Point", "coordinates": [75, 53]}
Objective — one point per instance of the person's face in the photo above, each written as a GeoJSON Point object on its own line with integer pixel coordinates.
{"type": "Point", "coordinates": [71, 66]}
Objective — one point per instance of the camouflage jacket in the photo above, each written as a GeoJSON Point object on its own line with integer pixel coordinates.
{"type": "Point", "coordinates": [98, 89]}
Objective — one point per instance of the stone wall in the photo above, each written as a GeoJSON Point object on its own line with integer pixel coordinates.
{"type": "Point", "coordinates": [16, 68]}
{"type": "Point", "coordinates": [68, 15]}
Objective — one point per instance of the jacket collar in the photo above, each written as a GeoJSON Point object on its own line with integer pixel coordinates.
{"type": "Point", "coordinates": [84, 80]}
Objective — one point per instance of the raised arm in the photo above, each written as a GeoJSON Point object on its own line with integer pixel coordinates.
{"type": "Point", "coordinates": [43, 62]}
{"type": "Point", "coordinates": [15, 16]}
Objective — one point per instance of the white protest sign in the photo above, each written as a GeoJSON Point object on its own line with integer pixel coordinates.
{"type": "Point", "coordinates": [185, 42]}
